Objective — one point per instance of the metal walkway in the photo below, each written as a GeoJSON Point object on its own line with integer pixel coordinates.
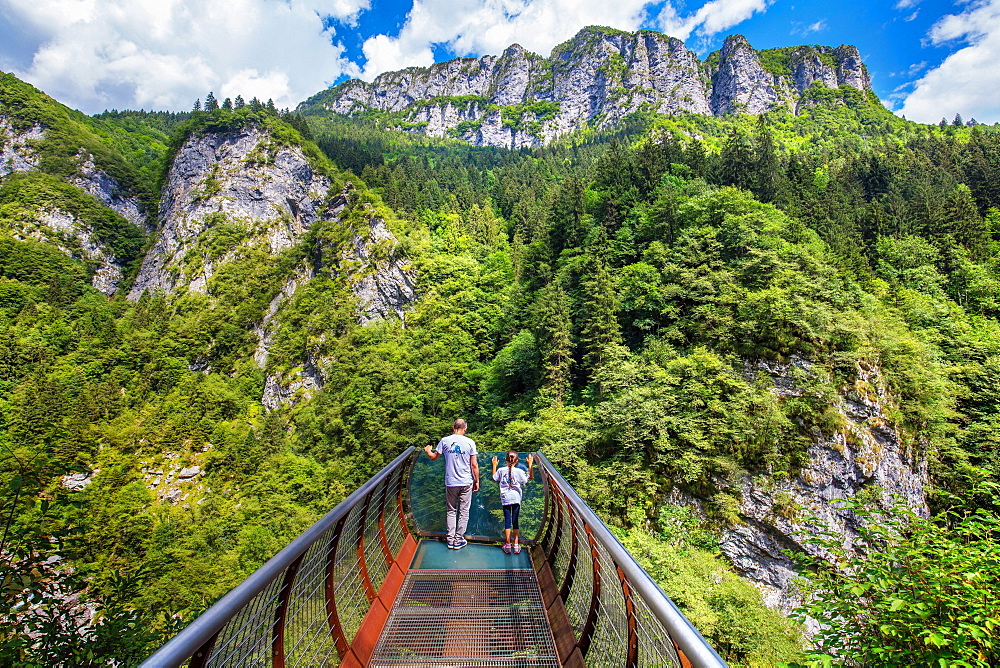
{"type": "Point", "coordinates": [369, 585]}
{"type": "Point", "coordinates": [467, 618]}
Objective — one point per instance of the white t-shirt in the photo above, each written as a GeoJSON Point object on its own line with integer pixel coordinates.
{"type": "Point", "coordinates": [456, 450]}
{"type": "Point", "coordinates": [510, 484]}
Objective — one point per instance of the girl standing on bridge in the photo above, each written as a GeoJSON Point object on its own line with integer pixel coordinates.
{"type": "Point", "coordinates": [511, 479]}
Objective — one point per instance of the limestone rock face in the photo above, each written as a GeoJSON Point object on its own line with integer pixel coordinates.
{"type": "Point", "coordinates": [16, 151]}
{"type": "Point", "coordinates": [867, 456]}
{"type": "Point", "coordinates": [76, 239]}
{"type": "Point", "coordinates": [229, 192]}
{"type": "Point", "coordinates": [107, 191]}
{"type": "Point", "coordinates": [232, 178]}
{"type": "Point", "coordinates": [741, 85]}
{"type": "Point", "coordinates": [521, 99]}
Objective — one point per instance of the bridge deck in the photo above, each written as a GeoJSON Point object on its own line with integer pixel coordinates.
{"type": "Point", "coordinates": [471, 607]}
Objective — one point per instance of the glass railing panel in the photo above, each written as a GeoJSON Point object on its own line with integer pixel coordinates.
{"type": "Point", "coordinates": [427, 503]}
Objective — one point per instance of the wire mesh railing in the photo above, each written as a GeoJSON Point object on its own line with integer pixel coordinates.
{"type": "Point", "coordinates": [427, 503]}
{"type": "Point", "coordinates": [618, 616]}
{"type": "Point", "coordinates": [305, 606]}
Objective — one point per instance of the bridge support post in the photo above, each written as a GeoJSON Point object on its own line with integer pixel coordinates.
{"type": "Point", "coordinates": [281, 613]}
{"type": "Point", "coordinates": [333, 618]}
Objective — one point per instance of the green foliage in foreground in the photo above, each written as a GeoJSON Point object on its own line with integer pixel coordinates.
{"type": "Point", "coordinates": [911, 591]}
{"type": "Point", "coordinates": [726, 610]}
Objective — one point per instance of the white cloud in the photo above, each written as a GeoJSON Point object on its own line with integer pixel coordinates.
{"type": "Point", "coordinates": [489, 26]}
{"type": "Point", "coordinates": [967, 80]}
{"type": "Point", "coordinates": [97, 54]}
{"type": "Point", "coordinates": [712, 18]}
{"type": "Point", "coordinates": [802, 30]}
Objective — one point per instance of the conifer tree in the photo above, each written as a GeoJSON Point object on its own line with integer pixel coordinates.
{"type": "Point", "coordinates": [227, 104]}
{"type": "Point", "coordinates": [962, 220]}
{"type": "Point", "coordinates": [737, 161]}
{"type": "Point", "coordinates": [567, 217]}
{"type": "Point", "coordinates": [765, 177]}
{"type": "Point", "coordinates": [553, 334]}
{"type": "Point", "coordinates": [211, 104]}
{"type": "Point", "coordinates": [239, 102]}
{"type": "Point", "coordinates": [197, 105]}
{"type": "Point", "coordinates": [599, 329]}
{"type": "Point", "coordinates": [696, 157]}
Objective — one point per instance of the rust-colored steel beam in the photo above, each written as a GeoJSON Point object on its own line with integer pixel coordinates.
{"type": "Point", "coordinates": [330, 589]}
{"type": "Point", "coordinates": [366, 579]}
{"type": "Point", "coordinates": [399, 497]}
{"type": "Point", "coordinates": [632, 633]}
{"type": "Point", "coordinates": [550, 556]}
{"type": "Point", "coordinates": [567, 583]}
{"type": "Point", "coordinates": [280, 614]}
{"type": "Point", "coordinates": [595, 596]}
{"type": "Point", "coordinates": [200, 658]}
{"type": "Point", "coordinates": [382, 537]}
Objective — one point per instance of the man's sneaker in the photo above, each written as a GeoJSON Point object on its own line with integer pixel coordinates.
{"type": "Point", "coordinates": [506, 548]}
{"type": "Point", "coordinates": [517, 548]}
{"type": "Point", "coordinates": [451, 545]}
{"type": "Point", "coordinates": [459, 544]}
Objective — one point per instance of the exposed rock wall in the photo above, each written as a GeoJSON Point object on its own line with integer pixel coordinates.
{"type": "Point", "coordinates": [269, 196]}
{"type": "Point", "coordinates": [596, 78]}
{"type": "Point", "coordinates": [867, 456]}
{"type": "Point", "coordinates": [107, 190]}
{"type": "Point", "coordinates": [17, 152]}
{"type": "Point", "coordinates": [77, 240]}
{"type": "Point", "coordinates": [275, 198]}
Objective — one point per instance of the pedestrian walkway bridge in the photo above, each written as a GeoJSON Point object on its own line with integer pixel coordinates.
{"type": "Point", "coordinates": [373, 584]}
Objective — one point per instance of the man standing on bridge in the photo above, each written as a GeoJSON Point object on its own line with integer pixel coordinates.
{"type": "Point", "coordinates": [461, 479]}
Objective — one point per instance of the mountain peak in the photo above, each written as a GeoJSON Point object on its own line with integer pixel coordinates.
{"type": "Point", "coordinates": [594, 79]}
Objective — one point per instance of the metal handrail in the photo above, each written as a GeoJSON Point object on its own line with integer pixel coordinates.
{"type": "Point", "coordinates": [681, 631]}
{"type": "Point", "coordinates": [184, 645]}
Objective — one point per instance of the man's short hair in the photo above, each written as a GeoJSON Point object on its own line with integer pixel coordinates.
{"type": "Point", "coordinates": [459, 424]}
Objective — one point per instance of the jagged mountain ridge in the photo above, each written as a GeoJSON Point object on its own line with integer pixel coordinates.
{"type": "Point", "coordinates": [520, 99]}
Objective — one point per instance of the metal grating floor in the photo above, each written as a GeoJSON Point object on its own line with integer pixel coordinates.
{"type": "Point", "coordinates": [467, 618]}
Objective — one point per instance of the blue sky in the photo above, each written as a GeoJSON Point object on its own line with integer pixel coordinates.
{"type": "Point", "coordinates": [929, 58]}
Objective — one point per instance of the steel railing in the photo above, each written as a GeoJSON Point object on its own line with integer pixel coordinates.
{"type": "Point", "coordinates": [619, 616]}
{"type": "Point", "coordinates": [305, 605]}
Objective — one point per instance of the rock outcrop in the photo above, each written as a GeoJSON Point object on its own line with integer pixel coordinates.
{"type": "Point", "coordinates": [229, 178]}
{"type": "Point", "coordinates": [108, 191]}
{"type": "Point", "coordinates": [76, 239]}
{"type": "Point", "coordinates": [17, 152]}
{"type": "Point", "coordinates": [866, 456]}
{"type": "Point", "coordinates": [597, 78]}
{"type": "Point", "coordinates": [229, 192]}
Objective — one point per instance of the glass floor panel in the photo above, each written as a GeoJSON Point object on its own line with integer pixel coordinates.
{"type": "Point", "coordinates": [435, 555]}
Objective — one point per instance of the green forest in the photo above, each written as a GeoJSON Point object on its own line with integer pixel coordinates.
{"type": "Point", "coordinates": [606, 299]}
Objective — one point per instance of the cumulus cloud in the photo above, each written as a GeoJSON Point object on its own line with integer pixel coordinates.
{"type": "Point", "coordinates": [162, 54]}
{"type": "Point", "coordinates": [489, 26]}
{"type": "Point", "coordinates": [967, 80]}
{"type": "Point", "coordinates": [710, 19]}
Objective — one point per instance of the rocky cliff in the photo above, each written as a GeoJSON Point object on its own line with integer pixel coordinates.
{"type": "Point", "coordinates": [521, 99]}
{"type": "Point", "coordinates": [863, 456]}
{"type": "Point", "coordinates": [66, 229]}
{"type": "Point", "coordinates": [230, 194]}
